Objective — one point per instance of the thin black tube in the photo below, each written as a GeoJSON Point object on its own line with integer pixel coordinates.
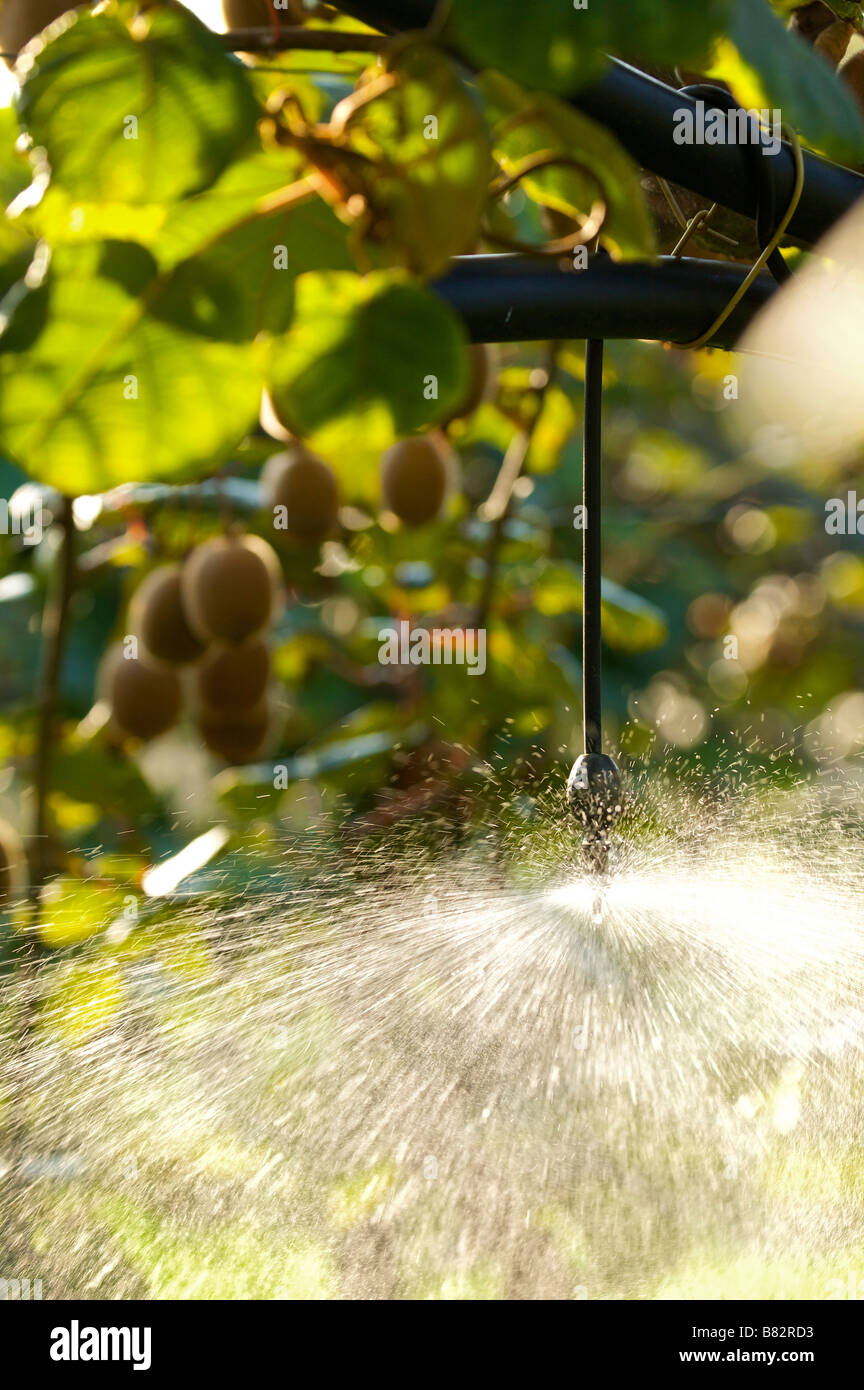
{"type": "Point", "coordinates": [640, 111]}
{"type": "Point", "coordinates": [592, 548]}
{"type": "Point", "coordinates": [520, 298]}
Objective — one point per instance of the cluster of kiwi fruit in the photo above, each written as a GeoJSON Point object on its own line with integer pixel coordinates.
{"type": "Point", "coordinates": [201, 642]}
{"type": "Point", "coordinates": [200, 626]}
{"type": "Point", "coordinates": [835, 40]}
{"type": "Point", "coordinates": [302, 491]}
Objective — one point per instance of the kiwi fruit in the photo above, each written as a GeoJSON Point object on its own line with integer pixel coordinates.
{"type": "Point", "coordinates": [237, 736]}
{"type": "Point", "coordinates": [305, 486]}
{"type": "Point", "coordinates": [256, 14]}
{"type": "Point", "coordinates": [230, 679]}
{"type": "Point", "coordinates": [414, 480]}
{"type": "Point", "coordinates": [229, 588]}
{"type": "Point", "coordinates": [832, 43]}
{"type": "Point", "coordinates": [479, 375]}
{"type": "Point", "coordinates": [145, 699]}
{"type": "Point", "coordinates": [12, 862]}
{"type": "Point", "coordinates": [809, 21]}
{"type": "Point", "coordinates": [158, 617]}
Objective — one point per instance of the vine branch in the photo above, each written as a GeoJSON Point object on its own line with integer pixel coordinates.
{"type": "Point", "coordinates": [263, 40]}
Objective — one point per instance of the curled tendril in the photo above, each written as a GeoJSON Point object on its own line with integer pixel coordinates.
{"type": "Point", "coordinates": [533, 164]}
{"type": "Point", "coordinates": [586, 232]}
{"type": "Point", "coordinates": [360, 97]}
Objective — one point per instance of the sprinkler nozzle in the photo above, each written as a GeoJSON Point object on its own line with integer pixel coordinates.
{"type": "Point", "coordinates": [594, 792]}
{"type": "Point", "coordinates": [594, 797]}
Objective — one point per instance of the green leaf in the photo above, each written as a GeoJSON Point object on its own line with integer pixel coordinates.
{"type": "Point", "coordinates": [558, 47]}
{"type": "Point", "coordinates": [318, 62]}
{"type": "Point", "coordinates": [75, 909]}
{"type": "Point", "coordinates": [222, 227]}
{"type": "Point", "coordinates": [176, 230]}
{"type": "Point", "coordinates": [559, 590]}
{"type": "Point", "coordinates": [352, 375]}
{"type": "Point", "coordinates": [141, 113]}
{"type": "Point", "coordinates": [630, 623]}
{"type": "Point", "coordinates": [557, 424]}
{"type": "Point", "coordinates": [111, 372]}
{"type": "Point", "coordinates": [548, 45]}
{"type": "Point", "coordinates": [429, 159]}
{"type": "Point", "coordinates": [88, 771]}
{"type": "Point", "coordinates": [260, 256]}
{"type": "Point", "coordinates": [241, 189]}
{"type": "Point", "coordinates": [677, 31]}
{"type": "Point", "coordinates": [530, 125]}
{"type": "Point", "coordinates": [847, 9]}
{"type": "Point", "coordinates": [799, 82]}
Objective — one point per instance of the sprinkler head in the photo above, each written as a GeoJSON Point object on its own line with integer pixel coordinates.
{"type": "Point", "coordinates": [594, 792]}
{"type": "Point", "coordinates": [594, 796]}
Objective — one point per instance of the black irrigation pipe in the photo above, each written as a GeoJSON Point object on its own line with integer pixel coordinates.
{"type": "Point", "coordinates": [640, 111]}
{"type": "Point", "coordinates": [523, 298]}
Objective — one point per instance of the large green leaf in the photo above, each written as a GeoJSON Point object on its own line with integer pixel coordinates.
{"type": "Point", "coordinates": [111, 372]}
{"type": "Point", "coordinates": [426, 143]}
{"type": "Point", "coordinates": [181, 325]}
{"type": "Point", "coordinates": [238, 194]}
{"type": "Point", "coordinates": [228, 241]}
{"type": "Point", "coordinates": [137, 113]}
{"type": "Point", "coordinates": [799, 82]}
{"type": "Point", "coordinates": [548, 45]}
{"type": "Point", "coordinates": [528, 126]}
{"type": "Point", "coordinates": [558, 47]}
{"type": "Point", "coordinates": [353, 374]}
{"type": "Point", "coordinates": [676, 31]}
{"type": "Point", "coordinates": [222, 226]}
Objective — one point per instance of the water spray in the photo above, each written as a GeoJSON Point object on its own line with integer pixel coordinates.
{"type": "Point", "coordinates": [594, 784]}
